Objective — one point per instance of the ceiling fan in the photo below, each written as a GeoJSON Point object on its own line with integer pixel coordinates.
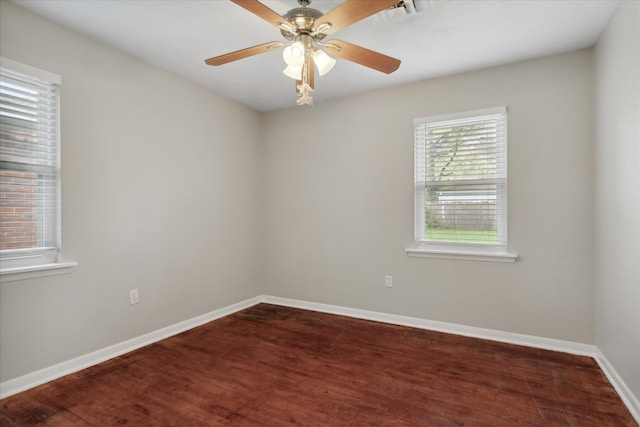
{"type": "Point", "coordinates": [305, 28]}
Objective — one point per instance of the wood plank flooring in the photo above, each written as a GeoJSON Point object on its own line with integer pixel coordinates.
{"type": "Point", "coordinates": [276, 366]}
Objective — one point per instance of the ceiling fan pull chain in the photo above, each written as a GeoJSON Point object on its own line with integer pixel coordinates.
{"type": "Point", "coordinates": [304, 88]}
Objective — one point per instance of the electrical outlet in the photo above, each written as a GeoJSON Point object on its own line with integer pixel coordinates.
{"type": "Point", "coordinates": [134, 298]}
{"type": "Point", "coordinates": [388, 281]}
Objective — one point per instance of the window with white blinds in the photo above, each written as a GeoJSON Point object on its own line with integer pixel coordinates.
{"type": "Point", "coordinates": [29, 164]}
{"type": "Point", "coordinates": [461, 179]}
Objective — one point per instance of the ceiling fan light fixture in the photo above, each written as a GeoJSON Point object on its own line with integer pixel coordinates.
{"type": "Point", "coordinates": [323, 61]}
{"type": "Point", "coordinates": [295, 72]}
{"type": "Point", "coordinates": [293, 54]}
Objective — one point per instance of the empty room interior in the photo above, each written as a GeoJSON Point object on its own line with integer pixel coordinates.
{"type": "Point", "coordinates": [430, 218]}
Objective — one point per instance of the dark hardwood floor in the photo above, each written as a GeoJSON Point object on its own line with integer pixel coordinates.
{"type": "Point", "coordinates": [274, 366]}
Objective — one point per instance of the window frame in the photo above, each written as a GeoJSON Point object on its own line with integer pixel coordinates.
{"type": "Point", "coordinates": [459, 250]}
{"type": "Point", "coordinates": [24, 263]}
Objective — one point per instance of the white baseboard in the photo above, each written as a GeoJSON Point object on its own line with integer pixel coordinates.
{"type": "Point", "coordinates": [42, 376]}
{"type": "Point", "coordinates": [618, 383]}
{"type": "Point", "coordinates": [16, 385]}
{"type": "Point", "coordinates": [433, 325]}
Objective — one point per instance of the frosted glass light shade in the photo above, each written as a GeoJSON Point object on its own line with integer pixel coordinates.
{"type": "Point", "coordinates": [293, 72]}
{"type": "Point", "coordinates": [323, 61]}
{"type": "Point", "coordinates": [294, 55]}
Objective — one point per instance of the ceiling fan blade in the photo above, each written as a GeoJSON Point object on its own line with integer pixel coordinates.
{"type": "Point", "coordinates": [310, 71]}
{"type": "Point", "coordinates": [259, 9]}
{"type": "Point", "coordinates": [363, 56]}
{"type": "Point", "coordinates": [310, 74]}
{"type": "Point", "coordinates": [243, 53]}
{"type": "Point", "coordinates": [350, 12]}
{"type": "Point", "coordinates": [304, 94]}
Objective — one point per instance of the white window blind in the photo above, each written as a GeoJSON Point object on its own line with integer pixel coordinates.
{"type": "Point", "coordinates": [29, 162]}
{"type": "Point", "coordinates": [461, 178]}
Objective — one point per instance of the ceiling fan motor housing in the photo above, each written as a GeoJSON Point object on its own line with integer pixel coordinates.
{"type": "Point", "coordinates": [303, 19]}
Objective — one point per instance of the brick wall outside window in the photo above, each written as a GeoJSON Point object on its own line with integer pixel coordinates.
{"type": "Point", "coordinates": [18, 209]}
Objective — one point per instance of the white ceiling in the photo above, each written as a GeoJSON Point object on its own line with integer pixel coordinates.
{"type": "Point", "coordinates": [444, 37]}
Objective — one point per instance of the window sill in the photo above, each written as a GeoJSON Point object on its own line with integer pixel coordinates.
{"type": "Point", "coordinates": [33, 271]}
{"type": "Point", "coordinates": [470, 255]}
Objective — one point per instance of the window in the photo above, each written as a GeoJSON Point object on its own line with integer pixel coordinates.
{"type": "Point", "coordinates": [29, 167]}
{"type": "Point", "coordinates": [460, 178]}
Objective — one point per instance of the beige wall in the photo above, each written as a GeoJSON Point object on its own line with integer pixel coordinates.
{"type": "Point", "coordinates": [617, 192]}
{"type": "Point", "coordinates": [339, 202]}
{"type": "Point", "coordinates": [158, 194]}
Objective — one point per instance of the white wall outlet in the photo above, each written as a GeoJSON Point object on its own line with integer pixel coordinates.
{"type": "Point", "coordinates": [388, 281]}
{"type": "Point", "coordinates": [134, 298]}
